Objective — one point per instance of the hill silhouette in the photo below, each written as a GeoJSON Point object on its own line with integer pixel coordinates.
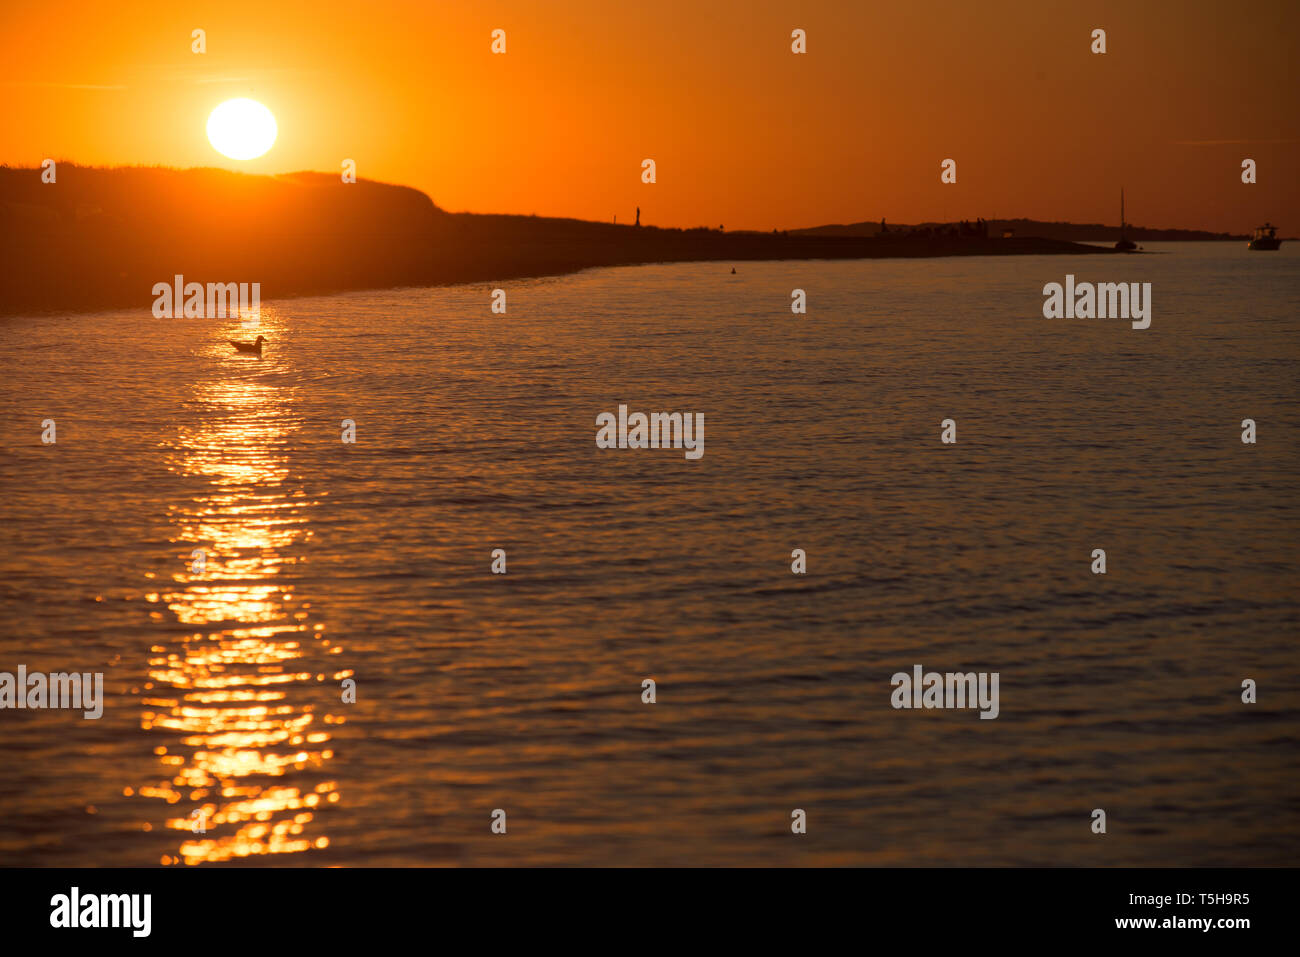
{"type": "Point", "coordinates": [101, 238]}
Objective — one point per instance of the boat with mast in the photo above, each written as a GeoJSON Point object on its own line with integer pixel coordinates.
{"type": "Point", "coordinates": [1125, 244]}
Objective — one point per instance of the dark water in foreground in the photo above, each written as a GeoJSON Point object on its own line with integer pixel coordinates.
{"type": "Point", "coordinates": [523, 692]}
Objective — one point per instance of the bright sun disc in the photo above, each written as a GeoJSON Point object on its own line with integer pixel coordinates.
{"type": "Point", "coordinates": [242, 129]}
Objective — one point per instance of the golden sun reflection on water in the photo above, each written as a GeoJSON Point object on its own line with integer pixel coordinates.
{"type": "Point", "coordinates": [246, 757]}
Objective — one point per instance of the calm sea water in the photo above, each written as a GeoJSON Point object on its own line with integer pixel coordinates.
{"type": "Point", "coordinates": [522, 692]}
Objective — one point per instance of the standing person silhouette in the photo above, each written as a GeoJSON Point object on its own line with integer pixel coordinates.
{"type": "Point", "coordinates": [638, 216]}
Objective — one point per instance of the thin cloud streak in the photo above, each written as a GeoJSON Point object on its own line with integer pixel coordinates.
{"type": "Point", "coordinates": [64, 86]}
{"type": "Point", "coordinates": [1232, 142]}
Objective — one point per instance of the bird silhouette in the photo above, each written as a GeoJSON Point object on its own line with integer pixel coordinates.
{"type": "Point", "coordinates": [254, 347]}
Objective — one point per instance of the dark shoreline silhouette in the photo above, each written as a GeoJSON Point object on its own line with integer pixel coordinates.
{"type": "Point", "coordinates": [101, 238]}
{"type": "Point", "coordinates": [1065, 232]}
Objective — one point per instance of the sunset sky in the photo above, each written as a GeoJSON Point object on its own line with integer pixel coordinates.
{"type": "Point", "coordinates": [744, 132]}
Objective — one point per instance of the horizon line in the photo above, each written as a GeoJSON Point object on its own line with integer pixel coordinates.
{"type": "Point", "coordinates": [465, 212]}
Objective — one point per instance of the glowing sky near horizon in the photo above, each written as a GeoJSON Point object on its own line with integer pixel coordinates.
{"type": "Point", "coordinates": [744, 132]}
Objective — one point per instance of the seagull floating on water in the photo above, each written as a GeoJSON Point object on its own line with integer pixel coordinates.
{"type": "Point", "coordinates": [254, 347]}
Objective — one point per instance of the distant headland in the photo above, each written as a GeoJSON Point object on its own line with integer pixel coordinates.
{"type": "Point", "coordinates": [1066, 232]}
{"type": "Point", "coordinates": [101, 238]}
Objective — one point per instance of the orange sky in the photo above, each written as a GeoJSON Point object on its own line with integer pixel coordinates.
{"type": "Point", "coordinates": [744, 132]}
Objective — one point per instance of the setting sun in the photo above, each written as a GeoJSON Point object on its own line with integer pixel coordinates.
{"type": "Point", "coordinates": [357, 503]}
{"type": "Point", "coordinates": [241, 129]}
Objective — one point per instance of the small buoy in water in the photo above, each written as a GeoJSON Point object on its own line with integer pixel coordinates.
{"type": "Point", "coordinates": [733, 270]}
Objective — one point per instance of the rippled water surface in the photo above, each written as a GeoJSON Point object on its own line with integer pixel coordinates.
{"type": "Point", "coordinates": [224, 736]}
